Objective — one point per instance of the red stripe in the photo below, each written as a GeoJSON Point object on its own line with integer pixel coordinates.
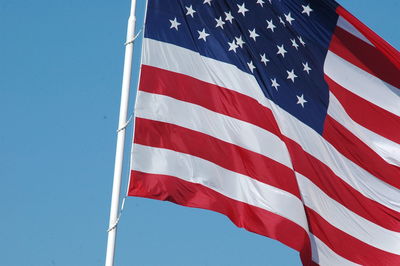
{"type": "Point", "coordinates": [254, 219]}
{"type": "Point", "coordinates": [323, 177]}
{"type": "Point", "coordinates": [348, 246]}
{"type": "Point", "coordinates": [212, 97]}
{"type": "Point", "coordinates": [367, 114]}
{"type": "Point", "coordinates": [223, 100]}
{"type": "Point", "coordinates": [359, 153]}
{"type": "Point", "coordinates": [391, 53]}
{"type": "Point", "coordinates": [229, 156]}
{"type": "Point", "coordinates": [364, 56]}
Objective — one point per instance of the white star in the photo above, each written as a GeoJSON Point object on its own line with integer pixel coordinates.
{"type": "Point", "coordinates": [306, 68]}
{"type": "Point", "coordinates": [232, 46]}
{"type": "Point", "coordinates": [261, 2]}
{"type": "Point", "coordinates": [291, 75]}
{"type": "Point", "coordinates": [239, 41]}
{"type": "Point", "coordinates": [242, 9]}
{"type": "Point", "coordinates": [271, 25]}
{"type": "Point", "coordinates": [220, 23]}
{"type": "Point", "coordinates": [203, 34]}
{"type": "Point", "coordinates": [174, 24]}
{"type": "Point", "coordinates": [190, 11]}
{"type": "Point", "coordinates": [229, 16]}
{"type": "Point", "coordinates": [270, 1]}
{"type": "Point", "coordinates": [282, 22]}
{"type": "Point", "coordinates": [275, 84]}
{"type": "Point", "coordinates": [289, 18]}
{"type": "Point", "coordinates": [306, 10]}
{"type": "Point", "coordinates": [207, 2]}
{"type": "Point", "coordinates": [264, 59]}
{"type": "Point", "coordinates": [251, 66]}
{"type": "Point", "coordinates": [281, 50]}
{"type": "Point", "coordinates": [301, 100]}
{"type": "Point", "coordinates": [253, 34]}
{"type": "Point", "coordinates": [294, 44]}
{"type": "Point", "coordinates": [301, 41]}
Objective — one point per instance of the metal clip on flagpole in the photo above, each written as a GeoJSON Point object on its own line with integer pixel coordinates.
{"type": "Point", "coordinates": [119, 153]}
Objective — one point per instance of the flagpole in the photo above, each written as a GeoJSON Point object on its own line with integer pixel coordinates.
{"type": "Point", "coordinates": [119, 153]}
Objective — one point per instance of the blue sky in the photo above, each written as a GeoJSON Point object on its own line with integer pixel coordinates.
{"type": "Point", "coordinates": [60, 76]}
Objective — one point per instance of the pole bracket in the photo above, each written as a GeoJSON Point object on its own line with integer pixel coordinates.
{"type": "Point", "coordinates": [112, 227]}
{"type": "Point", "coordinates": [125, 125]}
{"type": "Point", "coordinates": [134, 38]}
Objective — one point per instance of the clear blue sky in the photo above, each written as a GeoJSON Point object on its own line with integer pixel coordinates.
{"type": "Point", "coordinates": [60, 75]}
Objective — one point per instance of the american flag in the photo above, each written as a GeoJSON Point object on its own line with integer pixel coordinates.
{"type": "Point", "coordinates": [282, 115]}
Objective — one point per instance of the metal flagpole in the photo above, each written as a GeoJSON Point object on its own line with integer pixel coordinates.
{"type": "Point", "coordinates": [119, 154]}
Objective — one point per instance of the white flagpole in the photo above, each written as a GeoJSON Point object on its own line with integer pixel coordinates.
{"type": "Point", "coordinates": [119, 154]}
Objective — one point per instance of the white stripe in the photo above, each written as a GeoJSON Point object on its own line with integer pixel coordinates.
{"type": "Point", "coordinates": [346, 220]}
{"type": "Point", "coordinates": [344, 24]}
{"type": "Point", "coordinates": [163, 55]}
{"type": "Point", "coordinates": [325, 256]}
{"type": "Point", "coordinates": [387, 149]}
{"type": "Point", "coordinates": [362, 83]}
{"type": "Point", "coordinates": [169, 110]}
{"type": "Point", "coordinates": [230, 184]}
{"type": "Point", "coordinates": [180, 60]}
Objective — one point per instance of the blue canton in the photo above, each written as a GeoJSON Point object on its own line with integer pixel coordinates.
{"type": "Point", "coordinates": [282, 43]}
